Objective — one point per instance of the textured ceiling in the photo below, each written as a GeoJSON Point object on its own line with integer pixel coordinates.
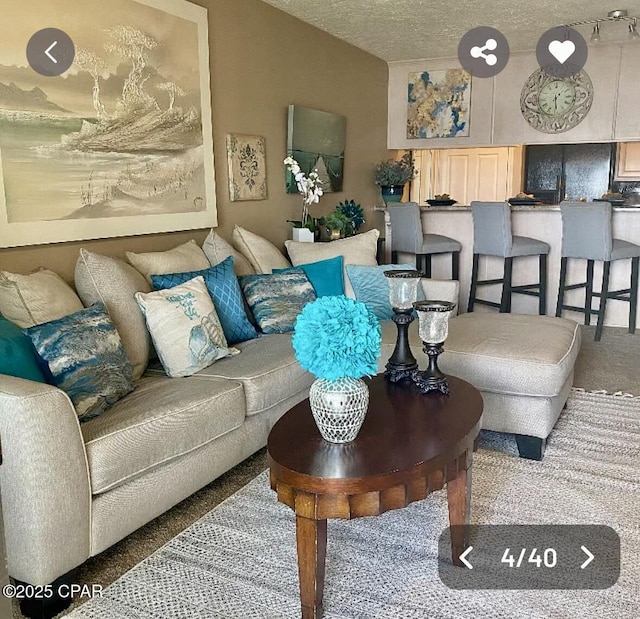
{"type": "Point", "coordinates": [412, 29]}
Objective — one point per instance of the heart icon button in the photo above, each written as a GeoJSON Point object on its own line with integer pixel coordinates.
{"type": "Point", "coordinates": [562, 50]}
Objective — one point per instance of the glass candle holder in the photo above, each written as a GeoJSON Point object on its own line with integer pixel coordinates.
{"type": "Point", "coordinates": [403, 291]}
{"type": "Point", "coordinates": [433, 328]}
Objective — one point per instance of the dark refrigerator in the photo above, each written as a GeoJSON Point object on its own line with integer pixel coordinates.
{"type": "Point", "coordinates": [556, 172]}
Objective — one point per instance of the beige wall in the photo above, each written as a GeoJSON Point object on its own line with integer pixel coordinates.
{"type": "Point", "coordinates": [262, 60]}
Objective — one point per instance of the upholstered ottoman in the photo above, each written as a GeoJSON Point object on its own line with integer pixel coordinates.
{"type": "Point", "coordinates": [522, 365]}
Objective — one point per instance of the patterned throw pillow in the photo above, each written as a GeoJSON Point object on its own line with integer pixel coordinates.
{"type": "Point", "coordinates": [184, 327]}
{"type": "Point", "coordinates": [372, 287]}
{"type": "Point", "coordinates": [223, 287]}
{"type": "Point", "coordinates": [325, 276]}
{"type": "Point", "coordinates": [86, 359]}
{"type": "Point", "coordinates": [277, 299]}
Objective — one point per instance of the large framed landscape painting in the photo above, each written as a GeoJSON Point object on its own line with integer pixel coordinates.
{"type": "Point", "coordinates": [119, 144]}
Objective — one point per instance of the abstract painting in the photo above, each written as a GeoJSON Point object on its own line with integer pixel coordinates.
{"type": "Point", "coordinates": [247, 167]}
{"type": "Point", "coordinates": [316, 140]}
{"type": "Point", "coordinates": [121, 142]}
{"type": "Point", "coordinates": [438, 104]}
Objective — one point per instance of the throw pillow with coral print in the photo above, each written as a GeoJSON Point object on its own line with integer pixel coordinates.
{"type": "Point", "coordinates": [185, 327]}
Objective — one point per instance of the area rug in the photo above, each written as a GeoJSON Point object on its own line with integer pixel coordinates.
{"type": "Point", "coordinates": [239, 561]}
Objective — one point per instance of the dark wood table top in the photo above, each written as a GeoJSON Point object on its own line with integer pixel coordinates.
{"type": "Point", "coordinates": [403, 430]}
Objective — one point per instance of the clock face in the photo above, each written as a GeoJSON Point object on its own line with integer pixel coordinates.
{"type": "Point", "coordinates": [554, 105]}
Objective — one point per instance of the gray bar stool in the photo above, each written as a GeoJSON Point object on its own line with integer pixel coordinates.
{"type": "Point", "coordinates": [407, 236]}
{"type": "Point", "coordinates": [586, 234]}
{"type": "Point", "coordinates": [492, 237]}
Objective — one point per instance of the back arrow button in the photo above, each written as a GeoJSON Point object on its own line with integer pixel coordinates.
{"type": "Point", "coordinates": [463, 557]}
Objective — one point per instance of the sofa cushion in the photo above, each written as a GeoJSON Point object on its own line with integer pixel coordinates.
{"type": "Point", "coordinates": [86, 359]}
{"type": "Point", "coordinates": [41, 296]}
{"type": "Point", "coordinates": [185, 257]}
{"type": "Point", "coordinates": [511, 353]}
{"type": "Point", "coordinates": [358, 249]}
{"type": "Point", "coordinates": [277, 299]}
{"type": "Point", "coordinates": [18, 357]}
{"type": "Point", "coordinates": [223, 287]}
{"type": "Point", "coordinates": [325, 276]}
{"type": "Point", "coordinates": [114, 282]}
{"type": "Point", "coordinates": [216, 249]}
{"type": "Point", "coordinates": [185, 327]}
{"type": "Point", "coordinates": [267, 369]}
{"type": "Point", "coordinates": [161, 420]}
{"type": "Point", "coordinates": [263, 255]}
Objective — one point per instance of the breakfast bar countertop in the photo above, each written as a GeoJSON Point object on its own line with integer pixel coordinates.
{"type": "Point", "coordinates": [514, 207]}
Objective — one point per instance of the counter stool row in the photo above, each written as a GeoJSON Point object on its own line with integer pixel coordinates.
{"type": "Point", "coordinates": [586, 234]}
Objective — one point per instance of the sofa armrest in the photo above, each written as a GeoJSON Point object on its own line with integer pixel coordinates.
{"type": "Point", "coordinates": [44, 481]}
{"type": "Point", "coordinates": [442, 290]}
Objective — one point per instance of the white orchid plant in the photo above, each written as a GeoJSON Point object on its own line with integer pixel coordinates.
{"type": "Point", "coordinates": [308, 187]}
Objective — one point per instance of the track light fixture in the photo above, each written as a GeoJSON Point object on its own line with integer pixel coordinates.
{"type": "Point", "coordinates": [619, 15]}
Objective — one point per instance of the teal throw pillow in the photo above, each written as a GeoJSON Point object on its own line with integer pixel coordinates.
{"type": "Point", "coordinates": [372, 287]}
{"type": "Point", "coordinates": [17, 354]}
{"type": "Point", "coordinates": [325, 276]}
{"type": "Point", "coordinates": [86, 358]}
{"type": "Point", "coordinates": [277, 299]}
{"type": "Point", "coordinates": [222, 284]}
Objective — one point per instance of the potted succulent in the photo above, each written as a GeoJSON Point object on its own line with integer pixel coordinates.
{"type": "Point", "coordinates": [392, 175]}
{"type": "Point", "coordinates": [336, 224]}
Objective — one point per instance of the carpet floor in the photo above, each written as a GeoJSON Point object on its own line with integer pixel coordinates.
{"type": "Point", "coordinates": [239, 561]}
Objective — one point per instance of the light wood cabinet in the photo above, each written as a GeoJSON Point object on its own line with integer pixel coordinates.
{"type": "Point", "coordinates": [467, 174]}
{"type": "Point", "coordinates": [628, 162]}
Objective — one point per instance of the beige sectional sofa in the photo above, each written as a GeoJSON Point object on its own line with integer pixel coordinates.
{"type": "Point", "coordinates": [71, 490]}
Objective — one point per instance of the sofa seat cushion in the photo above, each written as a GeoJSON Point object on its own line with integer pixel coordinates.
{"type": "Point", "coordinates": [268, 370]}
{"type": "Point", "coordinates": [162, 419]}
{"type": "Point", "coordinates": [512, 353]}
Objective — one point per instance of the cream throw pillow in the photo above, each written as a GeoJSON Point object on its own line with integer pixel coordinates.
{"type": "Point", "coordinates": [216, 249]}
{"type": "Point", "coordinates": [114, 282]}
{"type": "Point", "coordinates": [185, 327]}
{"type": "Point", "coordinates": [41, 296]}
{"type": "Point", "coordinates": [185, 257]}
{"type": "Point", "coordinates": [359, 249]}
{"type": "Point", "coordinates": [263, 255]}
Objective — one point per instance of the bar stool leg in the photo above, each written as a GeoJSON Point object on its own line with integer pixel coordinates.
{"type": "Point", "coordinates": [427, 264]}
{"type": "Point", "coordinates": [455, 265]}
{"type": "Point", "coordinates": [474, 282]}
{"type": "Point", "coordinates": [505, 301]}
{"type": "Point", "coordinates": [606, 268]}
{"type": "Point", "coordinates": [563, 279]}
{"type": "Point", "coordinates": [633, 296]}
{"type": "Point", "coordinates": [542, 304]}
{"type": "Point", "coordinates": [588, 300]}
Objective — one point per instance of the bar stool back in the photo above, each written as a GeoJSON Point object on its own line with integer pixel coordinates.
{"type": "Point", "coordinates": [407, 236]}
{"type": "Point", "coordinates": [492, 236]}
{"type": "Point", "coordinates": [587, 235]}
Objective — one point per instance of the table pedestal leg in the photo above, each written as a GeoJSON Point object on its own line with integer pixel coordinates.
{"type": "Point", "coordinates": [459, 499]}
{"type": "Point", "coordinates": [311, 538]}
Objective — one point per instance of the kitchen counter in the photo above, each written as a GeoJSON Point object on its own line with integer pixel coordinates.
{"type": "Point", "coordinates": [542, 222]}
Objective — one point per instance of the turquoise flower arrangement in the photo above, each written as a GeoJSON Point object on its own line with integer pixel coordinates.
{"type": "Point", "coordinates": [337, 337]}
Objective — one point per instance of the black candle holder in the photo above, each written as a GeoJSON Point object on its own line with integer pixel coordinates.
{"type": "Point", "coordinates": [434, 324]}
{"type": "Point", "coordinates": [402, 294]}
{"type": "Point", "coordinates": [402, 364]}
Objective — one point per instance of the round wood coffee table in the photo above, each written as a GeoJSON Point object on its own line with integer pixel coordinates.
{"type": "Point", "coordinates": [409, 445]}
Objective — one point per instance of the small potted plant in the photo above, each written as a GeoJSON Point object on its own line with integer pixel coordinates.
{"type": "Point", "coordinates": [310, 190]}
{"type": "Point", "coordinates": [336, 224]}
{"type": "Point", "coordinates": [392, 175]}
{"type": "Point", "coordinates": [354, 213]}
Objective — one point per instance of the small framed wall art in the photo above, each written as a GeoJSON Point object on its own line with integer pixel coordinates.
{"type": "Point", "coordinates": [247, 167]}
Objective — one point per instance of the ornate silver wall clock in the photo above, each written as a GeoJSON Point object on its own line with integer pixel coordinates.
{"type": "Point", "coordinates": [556, 104]}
